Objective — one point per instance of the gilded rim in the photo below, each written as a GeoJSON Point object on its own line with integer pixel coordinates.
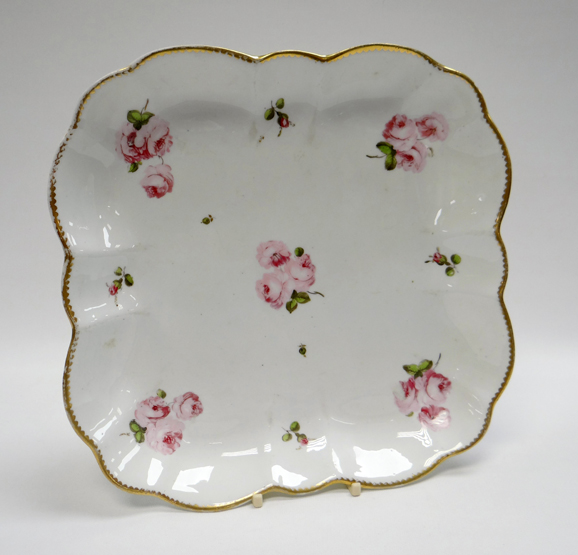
{"type": "Point", "coordinates": [69, 262]}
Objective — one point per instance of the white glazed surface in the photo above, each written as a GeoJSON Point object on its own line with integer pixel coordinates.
{"type": "Point", "coordinates": [193, 320]}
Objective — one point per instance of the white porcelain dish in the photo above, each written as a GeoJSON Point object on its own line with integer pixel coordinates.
{"type": "Point", "coordinates": [245, 240]}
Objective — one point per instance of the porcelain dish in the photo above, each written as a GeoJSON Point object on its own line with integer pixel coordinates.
{"type": "Point", "coordinates": [282, 272]}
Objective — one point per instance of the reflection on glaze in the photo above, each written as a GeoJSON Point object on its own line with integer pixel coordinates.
{"type": "Point", "coordinates": [155, 471]}
{"type": "Point", "coordinates": [191, 477]}
{"type": "Point", "coordinates": [379, 464]}
{"type": "Point", "coordinates": [285, 477]}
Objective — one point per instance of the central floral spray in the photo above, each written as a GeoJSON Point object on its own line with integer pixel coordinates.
{"type": "Point", "coordinates": [292, 276]}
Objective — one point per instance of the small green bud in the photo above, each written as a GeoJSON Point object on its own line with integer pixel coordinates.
{"type": "Point", "coordinates": [128, 280]}
{"type": "Point", "coordinates": [280, 103]}
{"type": "Point", "coordinates": [118, 271]}
{"type": "Point", "coordinates": [287, 437]}
{"type": "Point", "coordinates": [134, 426]}
{"type": "Point", "coordinates": [299, 252]}
{"type": "Point", "coordinates": [132, 168]}
{"type": "Point", "coordinates": [139, 436]}
{"type": "Point", "coordinates": [118, 283]}
{"type": "Point", "coordinates": [295, 427]}
{"type": "Point", "coordinates": [269, 114]}
{"type": "Point", "coordinates": [206, 221]}
{"type": "Point", "coordinates": [410, 414]}
{"type": "Point", "coordinates": [303, 351]}
{"type": "Point", "coordinates": [161, 393]}
{"type": "Point", "coordinates": [450, 271]}
{"type": "Point", "coordinates": [456, 258]}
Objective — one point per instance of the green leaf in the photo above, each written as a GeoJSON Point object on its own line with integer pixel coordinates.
{"type": "Point", "coordinates": [139, 436]}
{"type": "Point", "coordinates": [456, 258]}
{"type": "Point", "coordinates": [134, 426]}
{"type": "Point", "coordinates": [132, 168]}
{"type": "Point", "coordinates": [411, 369]}
{"type": "Point", "coordinates": [145, 117]}
{"type": "Point", "coordinates": [280, 103]}
{"type": "Point", "coordinates": [287, 437]}
{"type": "Point", "coordinates": [295, 427]}
{"type": "Point", "coordinates": [137, 125]}
{"type": "Point", "coordinates": [118, 271]}
{"type": "Point", "coordinates": [299, 252]}
{"type": "Point", "coordinates": [410, 414]}
{"type": "Point", "coordinates": [450, 272]}
{"type": "Point", "coordinates": [425, 365]}
{"type": "Point", "coordinates": [302, 298]}
{"type": "Point", "coordinates": [390, 162]}
{"type": "Point", "coordinates": [291, 306]}
{"type": "Point", "coordinates": [128, 279]}
{"type": "Point", "coordinates": [161, 393]}
{"type": "Point", "coordinates": [134, 116]}
{"type": "Point", "coordinates": [269, 114]}
{"type": "Point", "coordinates": [386, 148]}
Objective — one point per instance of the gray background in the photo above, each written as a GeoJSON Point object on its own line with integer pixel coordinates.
{"type": "Point", "coordinates": [513, 492]}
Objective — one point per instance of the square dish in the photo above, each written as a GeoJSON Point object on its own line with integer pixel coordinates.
{"type": "Point", "coordinates": [282, 272]}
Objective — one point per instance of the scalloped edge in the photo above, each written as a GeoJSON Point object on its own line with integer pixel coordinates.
{"type": "Point", "coordinates": [69, 262]}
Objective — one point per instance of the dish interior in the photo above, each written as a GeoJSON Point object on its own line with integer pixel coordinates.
{"type": "Point", "coordinates": [274, 281]}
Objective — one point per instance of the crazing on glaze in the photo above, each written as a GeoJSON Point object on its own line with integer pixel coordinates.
{"type": "Point", "coordinates": [161, 424]}
{"type": "Point", "coordinates": [406, 140]}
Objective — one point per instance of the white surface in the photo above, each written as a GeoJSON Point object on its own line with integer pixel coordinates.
{"type": "Point", "coordinates": [513, 492]}
{"type": "Point", "coordinates": [193, 319]}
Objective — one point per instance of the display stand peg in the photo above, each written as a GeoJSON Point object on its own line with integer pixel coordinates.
{"type": "Point", "coordinates": [257, 500]}
{"type": "Point", "coordinates": [355, 489]}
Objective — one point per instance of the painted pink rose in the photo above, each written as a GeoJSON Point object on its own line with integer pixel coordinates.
{"type": "Point", "coordinates": [158, 137]}
{"type": "Point", "coordinates": [408, 403]}
{"type": "Point", "coordinates": [151, 410]}
{"type": "Point", "coordinates": [437, 257]}
{"type": "Point", "coordinates": [302, 271]}
{"type": "Point", "coordinates": [187, 406]}
{"type": "Point", "coordinates": [434, 418]}
{"type": "Point", "coordinates": [433, 127]}
{"type": "Point", "coordinates": [165, 436]}
{"type": "Point", "coordinates": [157, 181]}
{"type": "Point", "coordinates": [132, 144]}
{"type": "Point", "coordinates": [433, 388]}
{"type": "Point", "coordinates": [113, 290]}
{"type": "Point", "coordinates": [413, 159]}
{"type": "Point", "coordinates": [273, 254]}
{"type": "Point", "coordinates": [400, 132]}
{"type": "Point", "coordinates": [275, 288]}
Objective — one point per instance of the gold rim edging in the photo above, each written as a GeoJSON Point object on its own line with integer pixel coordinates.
{"type": "Point", "coordinates": [69, 262]}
